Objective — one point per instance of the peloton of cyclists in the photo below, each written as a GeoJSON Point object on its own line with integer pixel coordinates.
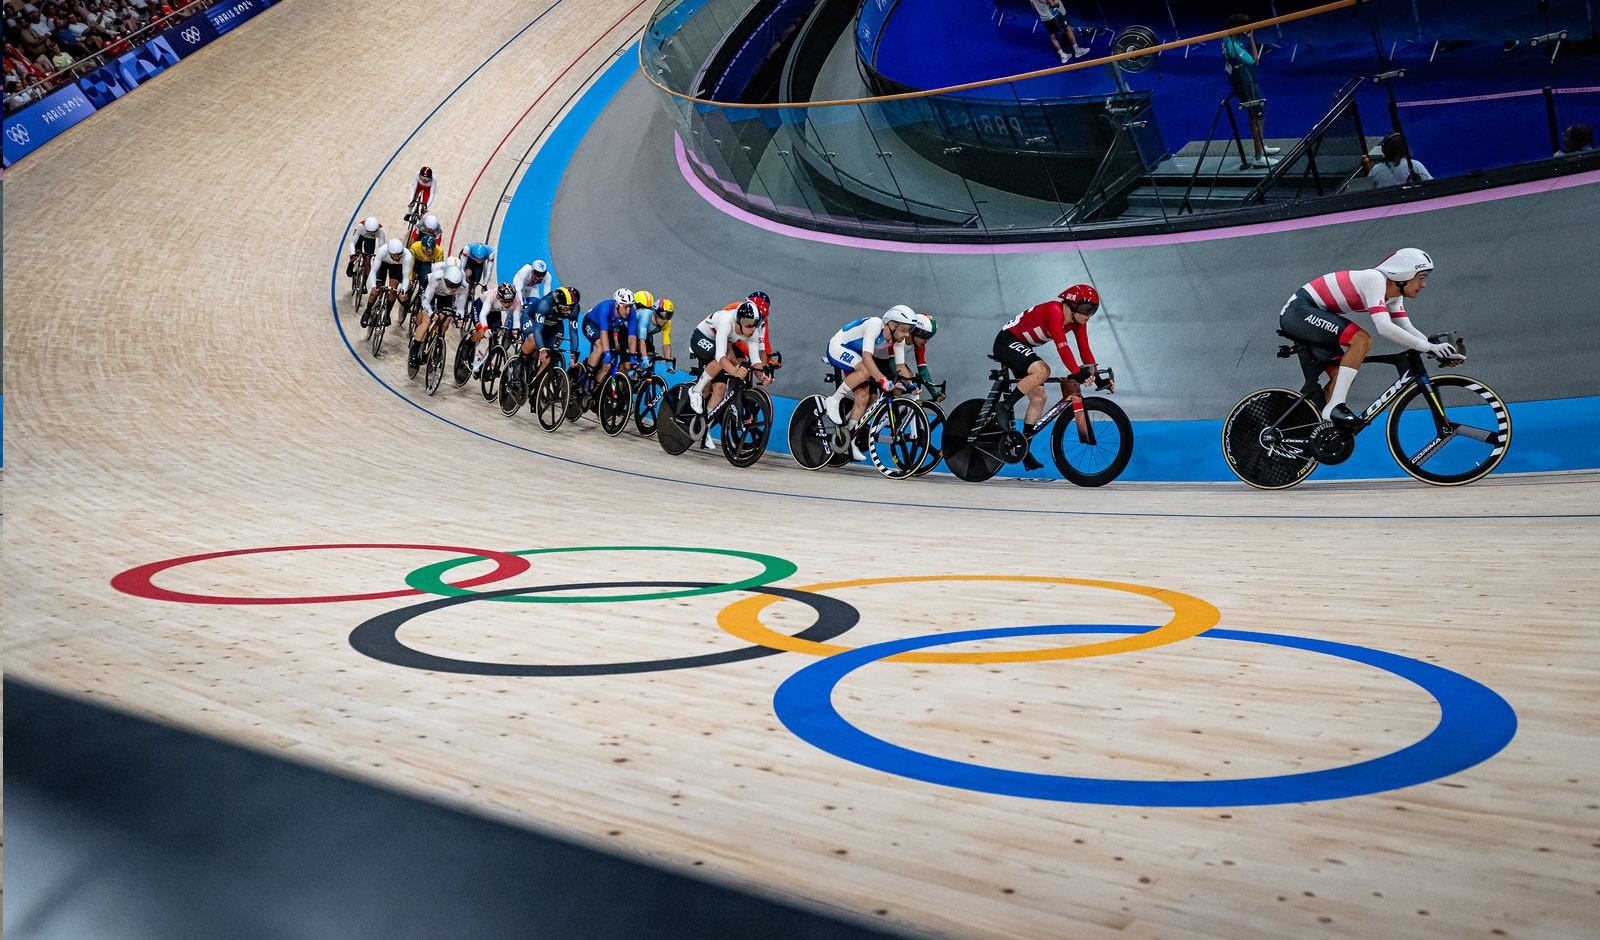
{"type": "Point", "coordinates": [1316, 314]}
{"type": "Point", "coordinates": [721, 342]}
{"type": "Point", "coordinates": [364, 239]}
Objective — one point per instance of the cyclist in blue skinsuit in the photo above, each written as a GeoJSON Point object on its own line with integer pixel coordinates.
{"type": "Point", "coordinates": [602, 320]}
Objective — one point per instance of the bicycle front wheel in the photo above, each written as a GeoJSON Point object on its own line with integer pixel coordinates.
{"type": "Point", "coordinates": [375, 330]}
{"type": "Point", "coordinates": [1097, 452]}
{"type": "Point", "coordinates": [433, 352]}
{"type": "Point", "coordinates": [899, 439]}
{"type": "Point", "coordinates": [647, 404]}
{"type": "Point", "coordinates": [489, 372]}
{"type": "Point", "coordinates": [513, 386]}
{"type": "Point", "coordinates": [1264, 438]}
{"type": "Point", "coordinates": [746, 426]}
{"type": "Point", "coordinates": [972, 453]}
{"type": "Point", "coordinates": [1455, 443]}
{"type": "Point", "coordinates": [935, 456]}
{"type": "Point", "coordinates": [616, 400]}
{"type": "Point", "coordinates": [552, 397]}
{"type": "Point", "coordinates": [463, 363]}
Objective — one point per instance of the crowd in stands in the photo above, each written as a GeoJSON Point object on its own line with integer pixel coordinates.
{"type": "Point", "coordinates": [49, 44]}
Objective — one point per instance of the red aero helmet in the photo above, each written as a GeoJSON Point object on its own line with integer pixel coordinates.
{"type": "Point", "coordinates": [1080, 294]}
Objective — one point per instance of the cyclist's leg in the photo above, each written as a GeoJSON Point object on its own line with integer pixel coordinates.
{"type": "Point", "coordinates": [848, 362]}
{"type": "Point", "coordinates": [1028, 369]}
{"type": "Point", "coordinates": [704, 350]}
{"type": "Point", "coordinates": [1303, 320]}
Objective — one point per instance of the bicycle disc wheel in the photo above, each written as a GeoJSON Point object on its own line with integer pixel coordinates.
{"type": "Point", "coordinates": [463, 363]}
{"type": "Point", "coordinates": [674, 439]}
{"type": "Point", "coordinates": [552, 395]}
{"type": "Point", "coordinates": [433, 352]}
{"type": "Point", "coordinates": [935, 416]}
{"type": "Point", "coordinates": [746, 427]}
{"type": "Point", "coordinates": [972, 453]}
{"type": "Point", "coordinates": [616, 401]}
{"type": "Point", "coordinates": [808, 434]}
{"type": "Point", "coordinates": [1263, 438]}
{"type": "Point", "coordinates": [489, 373]}
{"type": "Point", "coordinates": [1463, 445]}
{"type": "Point", "coordinates": [899, 439]}
{"type": "Point", "coordinates": [1104, 455]}
{"type": "Point", "coordinates": [647, 403]}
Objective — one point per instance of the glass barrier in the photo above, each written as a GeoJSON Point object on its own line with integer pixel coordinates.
{"type": "Point", "coordinates": [863, 155]}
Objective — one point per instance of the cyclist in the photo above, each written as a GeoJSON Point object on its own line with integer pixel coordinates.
{"type": "Point", "coordinates": [390, 268]}
{"type": "Point", "coordinates": [865, 350]}
{"type": "Point", "coordinates": [425, 253]}
{"type": "Point", "coordinates": [720, 343]}
{"type": "Point", "coordinates": [919, 346]}
{"type": "Point", "coordinates": [495, 309]}
{"type": "Point", "coordinates": [651, 315]}
{"type": "Point", "coordinates": [532, 281]}
{"type": "Point", "coordinates": [428, 226]}
{"type": "Point", "coordinates": [426, 186]}
{"type": "Point", "coordinates": [603, 319]}
{"type": "Point", "coordinates": [445, 295]}
{"type": "Point", "coordinates": [1316, 314]}
{"type": "Point", "coordinates": [1044, 323]}
{"type": "Point", "coordinates": [477, 261]}
{"type": "Point", "coordinates": [542, 322]}
{"type": "Point", "coordinates": [364, 239]}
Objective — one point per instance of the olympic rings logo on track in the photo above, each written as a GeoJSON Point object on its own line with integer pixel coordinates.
{"type": "Point", "coordinates": [1475, 723]}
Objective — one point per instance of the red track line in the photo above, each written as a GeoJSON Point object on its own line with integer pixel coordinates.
{"type": "Point", "coordinates": [535, 104]}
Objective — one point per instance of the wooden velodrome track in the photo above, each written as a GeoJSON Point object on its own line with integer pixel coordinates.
{"type": "Point", "coordinates": [178, 386]}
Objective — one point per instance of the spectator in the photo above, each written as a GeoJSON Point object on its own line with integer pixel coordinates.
{"type": "Point", "coordinates": [1398, 166]}
{"type": "Point", "coordinates": [60, 61]}
{"type": "Point", "coordinates": [1054, 17]}
{"type": "Point", "coordinates": [1577, 139]}
{"type": "Point", "coordinates": [1240, 61]}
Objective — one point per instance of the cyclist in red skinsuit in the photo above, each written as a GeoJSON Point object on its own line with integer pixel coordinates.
{"type": "Point", "coordinates": [1049, 322]}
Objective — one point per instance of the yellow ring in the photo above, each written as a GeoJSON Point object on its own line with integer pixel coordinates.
{"type": "Point", "coordinates": [1190, 616]}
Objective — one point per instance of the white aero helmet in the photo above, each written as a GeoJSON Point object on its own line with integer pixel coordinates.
{"type": "Point", "coordinates": [452, 276]}
{"type": "Point", "coordinates": [900, 313]}
{"type": "Point", "coordinates": [430, 222]}
{"type": "Point", "coordinates": [1405, 264]}
{"type": "Point", "coordinates": [394, 247]}
{"type": "Point", "coordinates": [623, 297]}
{"type": "Point", "coordinates": [371, 225]}
{"type": "Point", "coordinates": [540, 268]}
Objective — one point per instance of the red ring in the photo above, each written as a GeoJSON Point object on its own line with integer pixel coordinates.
{"type": "Point", "coordinates": [137, 581]}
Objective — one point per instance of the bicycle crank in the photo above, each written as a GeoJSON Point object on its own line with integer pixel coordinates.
{"type": "Point", "coordinates": [1331, 444]}
{"type": "Point", "coordinates": [1013, 446]}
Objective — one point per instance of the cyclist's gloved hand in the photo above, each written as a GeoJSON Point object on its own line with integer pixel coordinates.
{"type": "Point", "coordinates": [606, 358]}
{"type": "Point", "coordinates": [672, 364]}
{"type": "Point", "coordinates": [1083, 374]}
{"type": "Point", "coordinates": [886, 383]}
{"type": "Point", "coordinates": [1443, 351]}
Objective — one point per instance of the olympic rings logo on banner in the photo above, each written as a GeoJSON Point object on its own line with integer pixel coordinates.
{"type": "Point", "coordinates": [1475, 724]}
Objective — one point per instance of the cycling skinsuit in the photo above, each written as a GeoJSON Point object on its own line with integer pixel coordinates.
{"type": "Point", "coordinates": [1035, 326]}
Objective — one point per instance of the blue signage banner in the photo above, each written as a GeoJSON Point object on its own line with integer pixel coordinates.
{"type": "Point", "coordinates": [226, 16]}
{"type": "Point", "coordinates": [126, 72]}
{"type": "Point", "coordinates": [189, 35]}
{"type": "Point", "coordinates": [35, 125]}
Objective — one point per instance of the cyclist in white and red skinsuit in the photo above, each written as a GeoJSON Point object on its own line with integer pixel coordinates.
{"type": "Point", "coordinates": [1048, 322]}
{"type": "Point", "coordinates": [1316, 315]}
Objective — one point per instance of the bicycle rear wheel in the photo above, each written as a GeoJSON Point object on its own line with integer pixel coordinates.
{"type": "Point", "coordinates": [513, 386]}
{"type": "Point", "coordinates": [746, 427]}
{"type": "Point", "coordinates": [1263, 438]}
{"type": "Point", "coordinates": [972, 453]}
{"type": "Point", "coordinates": [935, 456]}
{"type": "Point", "coordinates": [552, 396]}
{"type": "Point", "coordinates": [616, 401]}
{"type": "Point", "coordinates": [433, 353]}
{"type": "Point", "coordinates": [463, 363]}
{"type": "Point", "coordinates": [899, 439]}
{"type": "Point", "coordinates": [670, 432]}
{"type": "Point", "coordinates": [647, 403]}
{"type": "Point", "coordinates": [1454, 448]}
{"type": "Point", "coordinates": [375, 330]}
{"type": "Point", "coordinates": [1099, 455]}
{"type": "Point", "coordinates": [489, 373]}
{"type": "Point", "coordinates": [808, 434]}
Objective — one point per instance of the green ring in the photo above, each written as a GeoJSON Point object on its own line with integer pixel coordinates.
{"type": "Point", "coordinates": [430, 578]}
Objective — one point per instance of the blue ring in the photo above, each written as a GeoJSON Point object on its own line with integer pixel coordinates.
{"type": "Point", "coordinates": [1475, 724]}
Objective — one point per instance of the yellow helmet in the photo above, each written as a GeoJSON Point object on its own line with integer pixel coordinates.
{"type": "Point", "coordinates": [643, 298]}
{"type": "Point", "coordinates": [666, 308]}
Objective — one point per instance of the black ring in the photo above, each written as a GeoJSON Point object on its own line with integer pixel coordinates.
{"type": "Point", "coordinates": [379, 637]}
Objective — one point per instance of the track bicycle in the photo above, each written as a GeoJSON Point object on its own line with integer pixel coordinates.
{"type": "Point", "coordinates": [744, 413]}
{"type": "Point", "coordinates": [648, 391]}
{"type": "Point", "coordinates": [375, 323]}
{"type": "Point", "coordinates": [494, 362]}
{"type": "Point", "coordinates": [1090, 448]}
{"type": "Point", "coordinates": [936, 419]}
{"type": "Point", "coordinates": [358, 279]}
{"type": "Point", "coordinates": [894, 432]}
{"type": "Point", "coordinates": [432, 353]}
{"type": "Point", "coordinates": [415, 211]}
{"type": "Point", "coordinates": [1447, 430]}
{"type": "Point", "coordinates": [552, 384]}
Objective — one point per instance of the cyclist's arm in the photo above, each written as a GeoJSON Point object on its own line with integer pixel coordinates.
{"type": "Point", "coordinates": [405, 274]}
{"type": "Point", "coordinates": [1394, 332]}
{"type": "Point", "coordinates": [666, 339]}
{"type": "Point", "coordinates": [372, 271]}
{"type": "Point", "coordinates": [1058, 335]}
{"type": "Point", "coordinates": [427, 296]}
{"type": "Point", "coordinates": [1080, 332]}
{"type": "Point", "coordinates": [355, 235]}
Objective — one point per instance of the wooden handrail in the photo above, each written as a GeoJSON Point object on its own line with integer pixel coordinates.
{"type": "Point", "coordinates": [987, 83]}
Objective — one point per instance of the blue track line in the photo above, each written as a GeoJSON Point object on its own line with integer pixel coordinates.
{"type": "Point", "coordinates": [579, 110]}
